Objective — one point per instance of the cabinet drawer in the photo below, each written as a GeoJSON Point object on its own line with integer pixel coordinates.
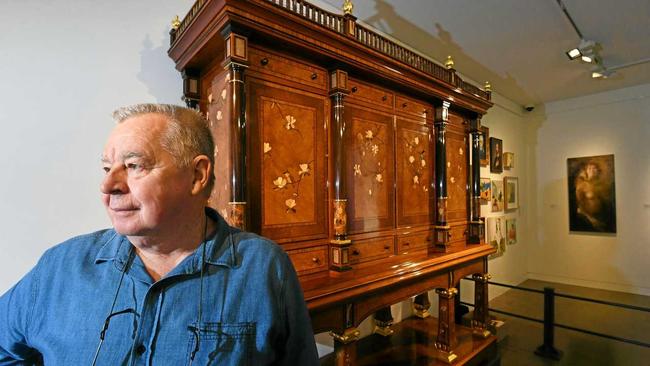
{"type": "Point", "coordinates": [369, 249]}
{"type": "Point", "coordinates": [415, 241]}
{"type": "Point", "coordinates": [413, 108]}
{"type": "Point", "coordinates": [368, 94]}
{"type": "Point", "coordinates": [309, 260]}
{"type": "Point", "coordinates": [272, 64]}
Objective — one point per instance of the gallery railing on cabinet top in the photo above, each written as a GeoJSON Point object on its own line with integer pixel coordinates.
{"type": "Point", "coordinates": [363, 35]}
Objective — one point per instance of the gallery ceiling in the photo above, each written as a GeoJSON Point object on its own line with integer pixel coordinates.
{"type": "Point", "coordinates": [520, 45]}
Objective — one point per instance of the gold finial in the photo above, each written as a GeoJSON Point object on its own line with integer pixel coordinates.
{"type": "Point", "coordinates": [176, 22]}
{"type": "Point", "coordinates": [347, 7]}
{"type": "Point", "coordinates": [488, 87]}
{"type": "Point", "coordinates": [449, 63]}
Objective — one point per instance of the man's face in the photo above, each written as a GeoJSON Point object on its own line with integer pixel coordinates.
{"type": "Point", "coordinates": [144, 191]}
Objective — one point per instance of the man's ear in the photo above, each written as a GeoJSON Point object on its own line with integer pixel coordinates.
{"type": "Point", "coordinates": [201, 167]}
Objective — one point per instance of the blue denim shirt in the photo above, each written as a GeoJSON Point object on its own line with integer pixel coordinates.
{"type": "Point", "coordinates": [253, 311]}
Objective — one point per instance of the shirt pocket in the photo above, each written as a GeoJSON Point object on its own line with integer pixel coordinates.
{"type": "Point", "coordinates": [222, 344]}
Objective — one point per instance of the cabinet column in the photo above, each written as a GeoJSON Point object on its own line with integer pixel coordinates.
{"type": "Point", "coordinates": [446, 339]}
{"type": "Point", "coordinates": [191, 91]}
{"type": "Point", "coordinates": [339, 244]}
{"type": "Point", "coordinates": [236, 62]}
{"type": "Point", "coordinates": [442, 233]}
{"type": "Point", "coordinates": [476, 228]}
{"type": "Point", "coordinates": [383, 321]}
{"type": "Point", "coordinates": [481, 304]}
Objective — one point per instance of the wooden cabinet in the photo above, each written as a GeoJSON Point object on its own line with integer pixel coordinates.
{"type": "Point", "coordinates": [347, 149]}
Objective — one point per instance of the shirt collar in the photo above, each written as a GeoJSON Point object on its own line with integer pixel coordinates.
{"type": "Point", "coordinates": [220, 248]}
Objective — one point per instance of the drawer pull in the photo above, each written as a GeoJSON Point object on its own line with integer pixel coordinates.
{"type": "Point", "coordinates": [384, 98]}
{"type": "Point", "coordinates": [264, 61]}
{"type": "Point", "coordinates": [428, 238]}
{"type": "Point", "coordinates": [314, 76]}
{"type": "Point", "coordinates": [354, 89]}
{"type": "Point", "coordinates": [404, 105]}
{"type": "Point", "coordinates": [406, 244]}
{"type": "Point", "coordinates": [315, 260]}
{"type": "Point", "coordinates": [355, 252]}
{"type": "Point", "coordinates": [465, 232]}
{"type": "Point", "coordinates": [386, 247]}
{"type": "Point", "coordinates": [449, 235]}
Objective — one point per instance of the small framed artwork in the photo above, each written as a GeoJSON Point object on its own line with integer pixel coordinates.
{"type": "Point", "coordinates": [511, 191]}
{"type": "Point", "coordinates": [483, 151]}
{"type": "Point", "coordinates": [495, 236]}
{"type": "Point", "coordinates": [508, 160]}
{"type": "Point", "coordinates": [496, 155]}
{"type": "Point", "coordinates": [592, 195]}
{"type": "Point", "coordinates": [496, 200]}
{"type": "Point", "coordinates": [485, 191]}
{"type": "Point", "coordinates": [511, 231]}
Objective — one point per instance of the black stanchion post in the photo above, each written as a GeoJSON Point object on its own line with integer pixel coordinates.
{"type": "Point", "coordinates": [547, 349]}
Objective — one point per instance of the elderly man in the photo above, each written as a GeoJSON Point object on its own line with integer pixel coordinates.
{"type": "Point", "coordinates": [171, 283]}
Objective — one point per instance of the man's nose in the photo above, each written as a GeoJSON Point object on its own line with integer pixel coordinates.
{"type": "Point", "coordinates": [114, 182]}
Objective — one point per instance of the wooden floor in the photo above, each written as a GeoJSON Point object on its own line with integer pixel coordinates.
{"type": "Point", "coordinates": [520, 337]}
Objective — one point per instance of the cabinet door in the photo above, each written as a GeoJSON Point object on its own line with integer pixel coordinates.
{"type": "Point", "coordinates": [457, 168]}
{"type": "Point", "coordinates": [369, 169]}
{"type": "Point", "coordinates": [414, 159]}
{"type": "Point", "coordinates": [288, 164]}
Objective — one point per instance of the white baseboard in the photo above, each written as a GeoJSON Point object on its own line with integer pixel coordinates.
{"type": "Point", "coordinates": [612, 286]}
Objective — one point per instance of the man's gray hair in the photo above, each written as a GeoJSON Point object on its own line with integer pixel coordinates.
{"type": "Point", "coordinates": [187, 135]}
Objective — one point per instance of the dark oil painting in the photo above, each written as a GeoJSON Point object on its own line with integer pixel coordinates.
{"type": "Point", "coordinates": [592, 200]}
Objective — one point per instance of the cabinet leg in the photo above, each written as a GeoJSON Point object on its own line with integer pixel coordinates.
{"type": "Point", "coordinates": [383, 321]}
{"type": "Point", "coordinates": [480, 320]}
{"type": "Point", "coordinates": [446, 340]}
{"type": "Point", "coordinates": [421, 305]}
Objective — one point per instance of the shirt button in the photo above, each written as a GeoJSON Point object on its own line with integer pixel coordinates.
{"type": "Point", "coordinates": [140, 349]}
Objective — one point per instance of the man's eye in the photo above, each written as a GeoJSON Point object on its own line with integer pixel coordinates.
{"type": "Point", "coordinates": [133, 166]}
{"type": "Point", "coordinates": [106, 169]}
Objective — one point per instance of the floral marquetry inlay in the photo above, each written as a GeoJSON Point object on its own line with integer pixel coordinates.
{"type": "Point", "coordinates": [218, 115]}
{"type": "Point", "coordinates": [457, 174]}
{"type": "Point", "coordinates": [367, 166]}
{"type": "Point", "coordinates": [287, 161]}
{"type": "Point", "coordinates": [414, 172]}
{"type": "Point", "coordinates": [370, 164]}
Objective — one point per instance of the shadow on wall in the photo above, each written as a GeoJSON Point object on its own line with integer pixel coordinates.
{"type": "Point", "coordinates": [439, 47]}
{"type": "Point", "coordinates": [158, 73]}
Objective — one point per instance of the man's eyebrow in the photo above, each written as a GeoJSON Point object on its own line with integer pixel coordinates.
{"type": "Point", "coordinates": [132, 154]}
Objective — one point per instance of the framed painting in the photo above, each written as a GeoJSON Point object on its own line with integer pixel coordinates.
{"type": "Point", "coordinates": [495, 235]}
{"type": "Point", "coordinates": [483, 151]}
{"type": "Point", "coordinates": [592, 196]}
{"type": "Point", "coordinates": [508, 160]}
{"type": "Point", "coordinates": [496, 201]}
{"type": "Point", "coordinates": [511, 192]}
{"type": "Point", "coordinates": [485, 191]}
{"type": "Point", "coordinates": [496, 155]}
{"type": "Point", "coordinates": [511, 231]}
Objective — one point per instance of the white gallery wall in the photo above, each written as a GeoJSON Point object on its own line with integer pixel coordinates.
{"type": "Point", "coordinates": [64, 66]}
{"type": "Point", "coordinates": [616, 122]}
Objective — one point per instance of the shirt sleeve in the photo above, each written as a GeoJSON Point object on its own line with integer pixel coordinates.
{"type": "Point", "coordinates": [16, 307]}
{"type": "Point", "coordinates": [300, 345]}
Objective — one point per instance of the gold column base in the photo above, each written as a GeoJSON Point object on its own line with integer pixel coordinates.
{"type": "Point", "coordinates": [383, 330]}
{"type": "Point", "coordinates": [446, 357]}
{"type": "Point", "coordinates": [481, 332]}
{"type": "Point", "coordinates": [421, 313]}
{"type": "Point", "coordinates": [349, 335]}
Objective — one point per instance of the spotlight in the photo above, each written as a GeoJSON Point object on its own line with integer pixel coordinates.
{"type": "Point", "coordinates": [600, 72]}
{"type": "Point", "coordinates": [573, 54]}
{"type": "Point", "coordinates": [585, 50]}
